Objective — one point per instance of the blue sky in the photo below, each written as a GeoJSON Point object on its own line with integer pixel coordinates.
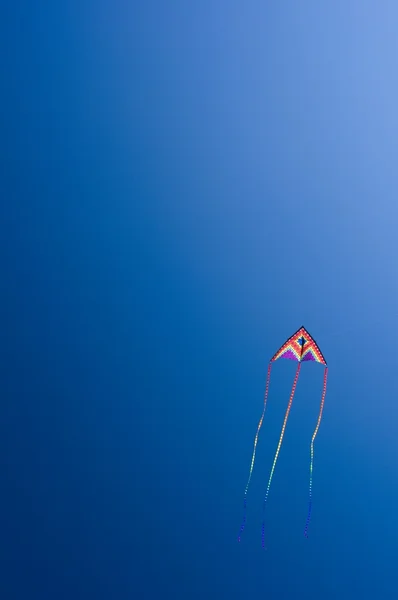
{"type": "Point", "coordinates": [183, 187]}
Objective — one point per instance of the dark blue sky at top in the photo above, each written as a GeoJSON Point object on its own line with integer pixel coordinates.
{"type": "Point", "coordinates": [183, 185]}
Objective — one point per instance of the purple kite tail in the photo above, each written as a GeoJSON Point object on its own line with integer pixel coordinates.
{"type": "Point", "coordinates": [278, 448]}
{"type": "Point", "coordinates": [325, 376]}
{"type": "Point", "coordinates": [254, 452]}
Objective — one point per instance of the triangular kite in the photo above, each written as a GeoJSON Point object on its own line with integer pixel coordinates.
{"type": "Point", "coordinates": [301, 347]}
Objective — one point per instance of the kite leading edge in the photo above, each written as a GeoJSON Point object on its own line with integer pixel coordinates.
{"type": "Point", "coordinates": [300, 347]}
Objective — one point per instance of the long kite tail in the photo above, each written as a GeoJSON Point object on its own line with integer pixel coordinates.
{"type": "Point", "coordinates": [279, 446]}
{"type": "Point", "coordinates": [325, 376]}
{"type": "Point", "coordinates": [254, 452]}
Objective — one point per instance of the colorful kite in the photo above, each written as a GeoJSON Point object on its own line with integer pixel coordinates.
{"type": "Point", "coordinates": [300, 347]}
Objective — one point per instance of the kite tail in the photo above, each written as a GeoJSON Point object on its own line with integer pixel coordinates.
{"type": "Point", "coordinates": [312, 451]}
{"type": "Point", "coordinates": [254, 452]}
{"type": "Point", "coordinates": [279, 447]}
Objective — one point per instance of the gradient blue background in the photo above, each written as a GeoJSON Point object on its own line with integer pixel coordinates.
{"type": "Point", "coordinates": [182, 186]}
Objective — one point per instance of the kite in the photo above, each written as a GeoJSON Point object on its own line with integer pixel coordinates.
{"type": "Point", "coordinates": [300, 347]}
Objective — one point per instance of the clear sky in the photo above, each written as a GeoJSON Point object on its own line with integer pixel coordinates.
{"type": "Point", "coordinates": [182, 186]}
